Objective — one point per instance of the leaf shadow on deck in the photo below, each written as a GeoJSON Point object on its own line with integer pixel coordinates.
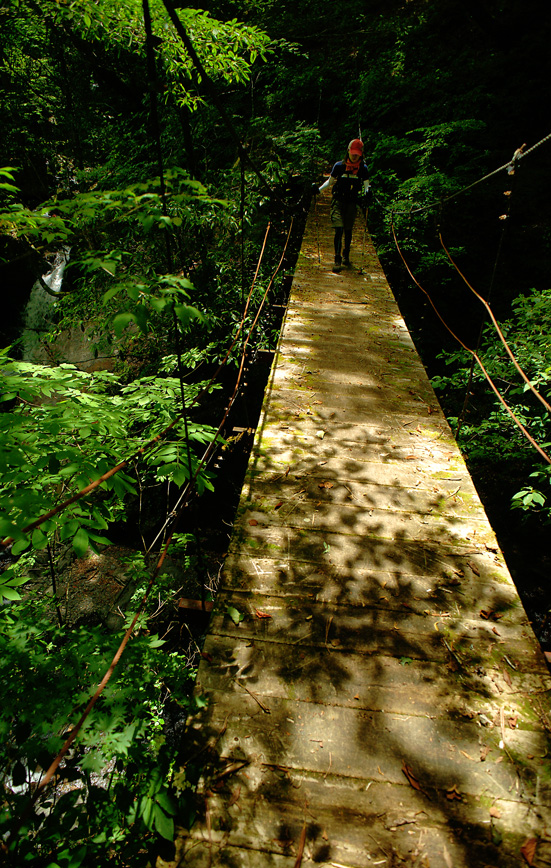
{"type": "Point", "coordinates": [381, 694]}
{"type": "Point", "coordinates": [362, 690]}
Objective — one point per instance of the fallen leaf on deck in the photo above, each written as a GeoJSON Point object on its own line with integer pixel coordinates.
{"type": "Point", "coordinates": [235, 615]}
{"type": "Point", "coordinates": [278, 505]}
{"type": "Point", "coordinates": [454, 794]}
{"type": "Point", "coordinates": [405, 660]}
{"type": "Point", "coordinates": [490, 615]}
{"type": "Point", "coordinates": [495, 812]}
{"type": "Point", "coordinates": [234, 796]}
{"type": "Point", "coordinates": [484, 751]}
{"type": "Point", "coordinates": [507, 678]}
{"type": "Point", "coordinates": [260, 614]}
{"type": "Point", "coordinates": [301, 843]}
{"type": "Point", "coordinates": [320, 434]}
{"type": "Point", "coordinates": [253, 522]}
{"type": "Point", "coordinates": [528, 850]}
{"type": "Point", "coordinates": [512, 721]}
{"type": "Point", "coordinates": [410, 776]}
{"type": "Point", "coordinates": [325, 485]}
{"type": "Point", "coordinates": [474, 568]}
{"type": "Point", "coordinates": [207, 657]}
{"type": "Point", "coordinates": [465, 754]}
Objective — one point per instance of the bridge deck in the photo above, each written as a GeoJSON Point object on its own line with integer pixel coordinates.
{"type": "Point", "coordinates": [383, 700]}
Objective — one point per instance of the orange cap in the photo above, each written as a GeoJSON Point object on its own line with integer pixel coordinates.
{"type": "Point", "coordinates": [356, 146]}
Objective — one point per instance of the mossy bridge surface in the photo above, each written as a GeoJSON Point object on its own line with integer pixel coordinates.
{"type": "Point", "coordinates": [376, 695]}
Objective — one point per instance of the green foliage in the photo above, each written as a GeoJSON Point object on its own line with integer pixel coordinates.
{"type": "Point", "coordinates": [489, 434]}
{"type": "Point", "coordinates": [67, 428]}
{"type": "Point", "coordinates": [112, 791]}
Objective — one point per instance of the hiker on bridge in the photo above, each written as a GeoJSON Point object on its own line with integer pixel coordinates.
{"type": "Point", "coordinates": [349, 182]}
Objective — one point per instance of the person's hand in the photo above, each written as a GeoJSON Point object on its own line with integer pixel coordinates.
{"type": "Point", "coordinates": [367, 197]}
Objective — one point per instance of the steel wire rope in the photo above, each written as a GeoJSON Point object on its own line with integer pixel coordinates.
{"type": "Point", "coordinates": [475, 355]}
{"type": "Point", "coordinates": [505, 218]}
{"type": "Point", "coordinates": [56, 510]}
{"type": "Point", "coordinates": [54, 765]}
{"type": "Point", "coordinates": [244, 156]}
{"type": "Point", "coordinates": [126, 638]}
{"type": "Point", "coordinates": [519, 154]}
{"type": "Point", "coordinates": [142, 450]}
{"type": "Point", "coordinates": [497, 328]}
{"type": "Point", "coordinates": [211, 447]}
{"type": "Point", "coordinates": [206, 456]}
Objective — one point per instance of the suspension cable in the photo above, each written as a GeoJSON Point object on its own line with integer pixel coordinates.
{"type": "Point", "coordinates": [475, 355]}
{"type": "Point", "coordinates": [39, 789]}
{"type": "Point", "coordinates": [208, 455]}
{"type": "Point", "coordinates": [519, 154]}
{"type": "Point", "coordinates": [147, 446]}
{"type": "Point", "coordinates": [498, 329]}
{"type": "Point", "coordinates": [124, 642]}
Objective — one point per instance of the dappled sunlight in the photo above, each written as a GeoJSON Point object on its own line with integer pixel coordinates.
{"type": "Point", "coordinates": [373, 685]}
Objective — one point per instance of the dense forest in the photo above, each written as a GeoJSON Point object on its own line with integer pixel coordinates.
{"type": "Point", "coordinates": [156, 170]}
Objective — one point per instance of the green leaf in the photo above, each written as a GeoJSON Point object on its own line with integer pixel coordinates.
{"type": "Point", "coordinates": [186, 313]}
{"type": "Point", "coordinates": [180, 476]}
{"type": "Point", "coordinates": [146, 811]}
{"type": "Point", "coordinates": [39, 539]}
{"type": "Point", "coordinates": [20, 546]}
{"type": "Point", "coordinates": [166, 803]}
{"type": "Point", "coordinates": [80, 542]}
{"type": "Point", "coordinates": [69, 529]}
{"type": "Point", "coordinates": [107, 296]}
{"type": "Point", "coordinates": [235, 615]}
{"type": "Point", "coordinates": [121, 321]}
{"type": "Point", "coordinates": [163, 823]}
{"type": "Point", "coordinates": [9, 593]}
{"type": "Point", "coordinates": [102, 540]}
{"type": "Point", "coordinates": [159, 304]}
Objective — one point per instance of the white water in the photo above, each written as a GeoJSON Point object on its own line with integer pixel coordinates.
{"type": "Point", "coordinates": [42, 304]}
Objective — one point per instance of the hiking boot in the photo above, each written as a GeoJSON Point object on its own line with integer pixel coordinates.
{"type": "Point", "coordinates": [338, 260]}
{"type": "Point", "coordinates": [346, 261]}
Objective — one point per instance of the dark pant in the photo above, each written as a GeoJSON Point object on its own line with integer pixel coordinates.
{"type": "Point", "coordinates": [343, 214]}
{"type": "Point", "coordinates": [347, 242]}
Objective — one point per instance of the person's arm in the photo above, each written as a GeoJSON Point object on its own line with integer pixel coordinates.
{"type": "Point", "coordinates": [328, 184]}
